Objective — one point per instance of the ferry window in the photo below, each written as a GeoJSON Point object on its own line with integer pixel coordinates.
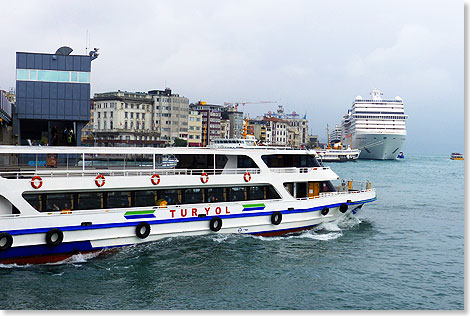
{"type": "Point", "coordinates": [256, 193]}
{"type": "Point", "coordinates": [245, 162]}
{"type": "Point", "coordinates": [170, 196]}
{"type": "Point", "coordinates": [118, 199]}
{"type": "Point", "coordinates": [58, 202]}
{"type": "Point", "coordinates": [301, 191]}
{"type": "Point", "coordinates": [89, 200]}
{"type": "Point", "coordinates": [192, 196]}
{"type": "Point", "coordinates": [144, 198]}
{"type": "Point", "coordinates": [289, 187]}
{"type": "Point", "coordinates": [236, 194]}
{"type": "Point", "coordinates": [34, 200]}
{"type": "Point", "coordinates": [271, 193]}
{"type": "Point", "coordinates": [286, 161]}
{"type": "Point", "coordinates": [215, 195]}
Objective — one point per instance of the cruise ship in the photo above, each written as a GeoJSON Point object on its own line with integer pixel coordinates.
{"type": "Point", "coordinates": [375, 126]}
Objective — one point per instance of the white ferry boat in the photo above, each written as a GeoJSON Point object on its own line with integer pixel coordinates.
{"type": "Point", "coordinates": [54, 203]}
{"type": "Point", "coordinates": [375, 126]}
{"type": "Point", "coordinates": [248, 142]}
{"type": "Point", "coordinates": [337, 155]}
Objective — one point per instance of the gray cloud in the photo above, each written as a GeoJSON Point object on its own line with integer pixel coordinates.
{"type": "Point", "coordinates": [312, 56]}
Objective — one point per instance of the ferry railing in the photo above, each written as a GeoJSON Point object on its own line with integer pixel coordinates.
{"type": "Point", "coordinates": [351, 185]}
{"type": "Point", "coordinates": [120, 172]}
{"type": "Point", "coordinates": [329, 194]}
{"type": "Point", "coordinates": [297, 170]}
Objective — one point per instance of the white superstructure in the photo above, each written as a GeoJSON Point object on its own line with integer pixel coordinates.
{"type": "Point", "coordinates": [375, 126]}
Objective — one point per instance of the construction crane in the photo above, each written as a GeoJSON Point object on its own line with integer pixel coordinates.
{"type": "Point", "coordinates": [236, 104]}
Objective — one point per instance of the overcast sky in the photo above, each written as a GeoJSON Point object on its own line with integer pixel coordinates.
{"type": "Point", "coordinates": [314, 57]}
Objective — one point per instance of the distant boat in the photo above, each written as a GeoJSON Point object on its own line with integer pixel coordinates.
{"type": "Point", "coordinates": [339, 155]}
{"type": "Point", "coordinates": [401, 155]}
{"type": "Point", "coordinates": [456, 156]}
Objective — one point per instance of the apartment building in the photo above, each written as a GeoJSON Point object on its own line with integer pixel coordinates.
{"type": "Point", "coordinates": [126, 118]}
{"type": "Point", "coordinates": [194, 129]}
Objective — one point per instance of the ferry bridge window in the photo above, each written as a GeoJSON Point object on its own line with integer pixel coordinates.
{"type": "Point", "coordinates": [89, 200]}
{"type": "Point", "coordinates": [169, 196]}
{"type": "Point", "coordinates": [256, 193]}
{"type": "Point", "coordinates": [288, 161]}
{"type": "Point", "coordinates": [58, 202]}
{"type": "Point", "coordinates": [245, 162]}
{"type": "Point", "coordinates": [144, 198]}
{"type": "Point", "coordinates": [236, 194]}
{"type": "Point", "coordinates": [215, 195]}
{"type": "Point", "coordinates": [34, 199]}
{"type": "Point", "coordinates": [118, 199]}
{"type": "Point", "coordinates": [191, 196]}
{"type": "Point", "coordinates": [200, 161]}
{"type": "Point", "coordinates": [271, 193]}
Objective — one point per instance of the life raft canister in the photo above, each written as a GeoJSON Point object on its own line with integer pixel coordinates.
{"type": "Point", "coordinates": [204, 177]}
{"type": "Point", "coordinates": [247, 177]}
{"type": "Point", "coordinates": [99, 180]}
{"type": "Point", "coordinates": [155, 179]}
{"type": "Point", "coordinates": [36, 182]}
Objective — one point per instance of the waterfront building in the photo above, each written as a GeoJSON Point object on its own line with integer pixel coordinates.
{"type": "Point", "coordinates": [5, 119]}
{"type": "Point", "coordinates": [236, 121]}
{"type": "Point", "coordinates": [211, 116]}
{"type": "Point", "coordinates": [52, 96]}
{"type": "Point", "coordinates": [170, 115]}
{"type": "Point", "coordinates": [125, 118]}
{"type": "Point", "coordinates": [313, 141]}
{"type": "Point", "coordinates": [278, 131]}
{"type": "Point", "coordinates": [293, 137]}
{"type": "Point", "coordinates": [194, 129]}
{"type": "Point", "coordinates": [300, 123]}
{"type": "Point", "coordinates": [224, 129]}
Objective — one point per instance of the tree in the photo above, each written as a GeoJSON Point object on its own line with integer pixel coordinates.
{"type": "Point", "coordinates": [180, 142]}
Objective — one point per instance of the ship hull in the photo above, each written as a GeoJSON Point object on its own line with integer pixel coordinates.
{"type": "Point", "coordinates": [378, 146]}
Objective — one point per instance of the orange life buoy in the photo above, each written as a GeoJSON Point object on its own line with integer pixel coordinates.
{"type": "Point", "coordinates": [247, 177]}
{"type": "Point", "coordinates": [155, 179]}
{"type": "Point", "coordinates": [100, 180]}
{"type": "Point", "coordinates": [204, 177]}
{"type": "Point", "coordinates": [36, 182]}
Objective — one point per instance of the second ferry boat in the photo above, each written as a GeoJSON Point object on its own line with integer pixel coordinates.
{"type": "Point", "coordinates": [59, 201]}
{"type": "Point", "coordinates": [375, 126]}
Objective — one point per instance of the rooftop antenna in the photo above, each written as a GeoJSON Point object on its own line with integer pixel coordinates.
{"type": "Point", "coordinates": [86, 42]}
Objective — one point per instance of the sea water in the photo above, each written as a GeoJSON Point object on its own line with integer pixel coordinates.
{"type": "Point", "coordinates": [404, 251]}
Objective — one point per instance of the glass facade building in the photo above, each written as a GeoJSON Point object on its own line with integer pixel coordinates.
{"type": "Point", "coordinates": [52, 97]}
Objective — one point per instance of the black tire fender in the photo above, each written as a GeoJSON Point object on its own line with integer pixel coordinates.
{"type": "Point", "coordinates": [343, 208]}
{"type": "Point", "coordinates": [142, 230]}
{"type": "Point", "coordinates": [6, 240]}
{"type": "Point", "coordinates": [215, 224]}
{"type": "Point", "coordinates": [276, 218]}
{"type": "Point", "coordinates": [325, 211]}
{"type": "Point", "coordinates": [54, 237]}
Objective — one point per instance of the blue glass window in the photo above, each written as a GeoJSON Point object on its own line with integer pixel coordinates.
{"type": "Point", "coordinates": [52, 75]}
{"type": "Point", "coordinates": [22, 74]}
{"type": "Point", "coordinates": [33, 75]}
{"type": "Point", "coordinates": [84, 77]}
{"type": "Point", "coordinates": [73, 76]}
